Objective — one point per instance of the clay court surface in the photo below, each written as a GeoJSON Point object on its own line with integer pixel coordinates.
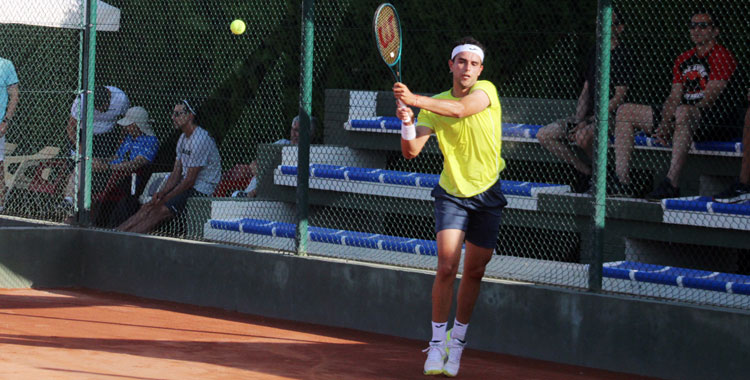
{"type": "Point", "coordinates": [83, 334]}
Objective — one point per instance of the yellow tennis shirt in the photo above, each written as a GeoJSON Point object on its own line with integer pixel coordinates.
{"type": "Point", "coordinates": [470, 145]}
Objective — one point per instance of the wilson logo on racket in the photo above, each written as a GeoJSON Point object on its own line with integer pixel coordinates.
{"type": "Point", "coordinates": [390, 36]}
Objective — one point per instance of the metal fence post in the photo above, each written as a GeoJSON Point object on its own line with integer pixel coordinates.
{"type": "Point", "coordinates": [604, 32]}
{"type": "Point", "coordinates": [305, 108]}
{"type": "Point", "coordinates": [85, 125]}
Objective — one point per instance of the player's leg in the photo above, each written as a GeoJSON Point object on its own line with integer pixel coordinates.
{"type": "Point", "coordinates": [629, 118]}
{"type": "Point", "coordinates": [475, 261]}
{"type": "Point", "coordinates": [485, 215]}
{"type": "Point", "coordinates": [451, 220]}
{"type": "Point", "coordinates": [449, 242]}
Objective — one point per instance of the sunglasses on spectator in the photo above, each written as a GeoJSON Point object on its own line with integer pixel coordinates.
{"type": "Point", "coordinates": [701, 25]}
{"type": "Point", "coordinates": [178, 113]}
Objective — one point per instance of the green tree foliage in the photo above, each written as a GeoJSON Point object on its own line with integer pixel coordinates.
{"type": "Point", "coordinates": [174, 49]}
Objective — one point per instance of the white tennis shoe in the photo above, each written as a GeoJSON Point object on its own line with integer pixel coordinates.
{"type": "Point", "coordinates": [435, 358]}
{"type": "Point", "coordinates": [454, 349]}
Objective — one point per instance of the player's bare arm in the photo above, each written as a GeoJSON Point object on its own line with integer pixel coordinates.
{"type": "Point", "coordinates": [468, 105]}
{"type": "Point", "coordinates": [411, 148]}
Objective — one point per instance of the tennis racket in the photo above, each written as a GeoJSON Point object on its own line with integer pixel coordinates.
{"type": "Point", "coordinates": [387, 27]}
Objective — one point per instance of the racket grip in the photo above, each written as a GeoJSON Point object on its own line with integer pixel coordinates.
{"type": "Point", "coordinates": [408, 130]}
{"type": "Point", "coordinates": [403, 121]}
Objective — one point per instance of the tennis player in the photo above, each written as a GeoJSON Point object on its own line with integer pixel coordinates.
{"type": "Point", "coordinates": [468, 198]}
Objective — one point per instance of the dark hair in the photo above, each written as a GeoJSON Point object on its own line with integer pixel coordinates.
{"type": "Point", "coordinates": [470, 40]}
{"type": "Point", "coordinates": [710, 13]}
{"type": "Point", "coordinates": [192, 106]}
{"type": "Point", "coordinates": [102, 97]}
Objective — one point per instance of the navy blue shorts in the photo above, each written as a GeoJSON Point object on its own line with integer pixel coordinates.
{"type": "Point", "coordinates": [178, 203]}
{"type": "Point", "coordinates": [479, 216]}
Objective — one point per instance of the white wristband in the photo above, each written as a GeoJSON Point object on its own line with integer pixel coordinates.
{"type": "Point", "coordinates": [408, 131]}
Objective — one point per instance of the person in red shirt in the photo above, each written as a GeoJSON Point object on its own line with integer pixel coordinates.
{"type": "Point", "coordinates": [698, 106]}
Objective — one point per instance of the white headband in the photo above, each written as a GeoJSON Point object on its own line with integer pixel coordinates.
{"type": "Point", "coordinates": [470, 48]}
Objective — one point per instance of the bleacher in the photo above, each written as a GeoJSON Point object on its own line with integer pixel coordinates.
{"type": "Point", "coordinates": [527, 133]}
{"type": "Point", "coordinates": [720, 289]}
{"type": "Point", "coordinates": [349, 171]}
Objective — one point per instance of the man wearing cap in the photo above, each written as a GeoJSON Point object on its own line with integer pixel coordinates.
{"type": "Point", "coordinates": [196, 172]}
{"type": "Point", "coordinates": [468, 198]}
{"type": "Point", "coordinates": [8, 103]}
{"type": "Point", "coordinates": [137, 150]}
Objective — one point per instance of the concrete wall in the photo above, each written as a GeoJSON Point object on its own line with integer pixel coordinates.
{"type": "Point", "coordinates": [602, 331]}
{"type": "Point", "coordinates": [45, 257]}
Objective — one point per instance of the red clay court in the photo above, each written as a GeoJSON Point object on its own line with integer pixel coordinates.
{"type": "Point", "coordinates": [83, 334]}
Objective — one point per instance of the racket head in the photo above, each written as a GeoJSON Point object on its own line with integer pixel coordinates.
{"type": "Point", "coordinates": [387, 27]}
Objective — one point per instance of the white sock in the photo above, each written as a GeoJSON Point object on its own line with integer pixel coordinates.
{"type": "Point", "coordinates": [459, 330]}
{"type": "Point", "coordinates": [438, 331]}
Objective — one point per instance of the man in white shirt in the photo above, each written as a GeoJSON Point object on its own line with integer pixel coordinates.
{"type": "Point", "coordinates": [110, 103]}
{"type": "Point", "coordinates": [196, 172]}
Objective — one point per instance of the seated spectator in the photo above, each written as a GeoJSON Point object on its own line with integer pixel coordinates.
{"type": "Point", "coordinates": [196, 172]}
{"type": "Point", "coordinates": [115, 202]}
{"type": "Point", "coordinates": [109, 104]}
{"type": "Point", "coordinates": [561, 136]}
{"type": "Point", "coordinates": [252, 188]}
{"type": "Point", "coordinates": [740, 190]}
{"type": "Point", "coordinates": [700, 103]}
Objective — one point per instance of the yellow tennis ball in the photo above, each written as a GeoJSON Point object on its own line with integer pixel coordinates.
{"type": "Point", "coordinates": [237, 26]}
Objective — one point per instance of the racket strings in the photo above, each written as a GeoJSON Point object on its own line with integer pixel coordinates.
{"type": "Point", "coordinates": [388, 35]}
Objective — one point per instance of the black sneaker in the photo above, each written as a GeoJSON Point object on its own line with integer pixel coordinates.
{"type": "Point", "coordinates": [583, 183]}
{"type": "Point", "coordinates": [622, 190]}
{"type": "Point", "coordinates": [736, 193]}
{"type": "Point", "coordinates": [663, 191]}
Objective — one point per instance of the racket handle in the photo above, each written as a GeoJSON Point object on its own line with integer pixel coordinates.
{"type": "Point", "coordinates": [403, 121]}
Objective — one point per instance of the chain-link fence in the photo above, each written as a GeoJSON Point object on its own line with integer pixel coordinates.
{"type": "Point", "coordinates": [673, 145]}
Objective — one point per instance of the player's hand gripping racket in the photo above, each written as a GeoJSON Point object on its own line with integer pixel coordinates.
{"type": "Point", "coordinates": [387, 28]}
